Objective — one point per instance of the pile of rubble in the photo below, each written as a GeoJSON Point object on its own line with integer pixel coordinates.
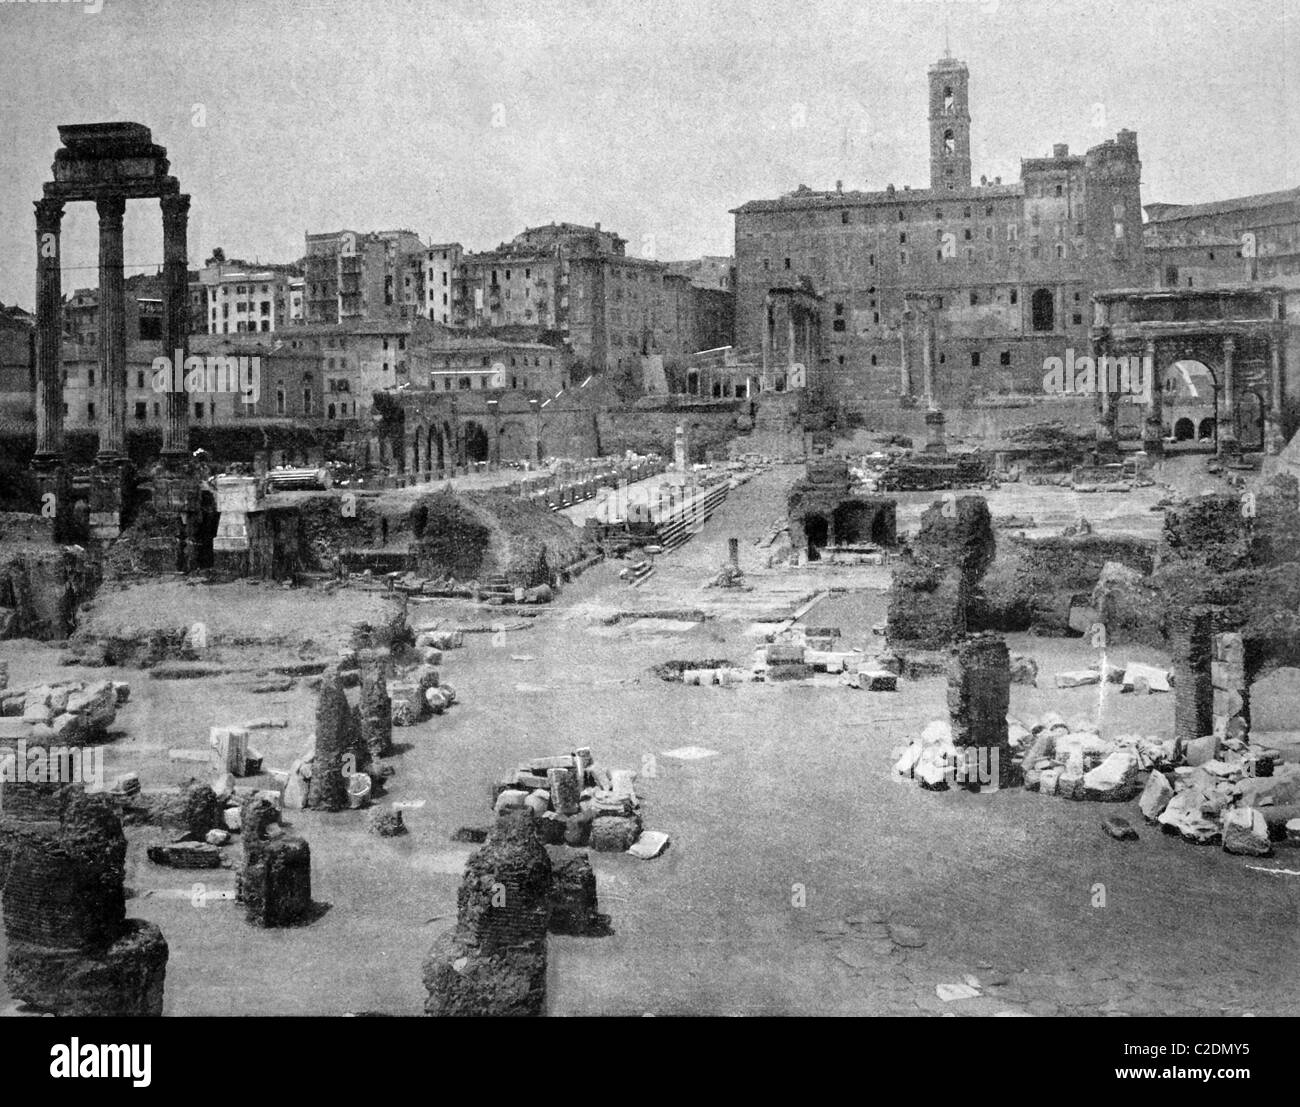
{"type": "Point", "coordinates": [72, 713]}
{"type": "Point", "coordinates": [1074, 761]}
{"type": "Point", "coordinates": [578, 803]}
{"type": "Point", "coordinates": [1132, 677]}
{"type": "Point", "coordinates": [1227, 791]}
{"type": "Point", "coordinates": [514, 892]}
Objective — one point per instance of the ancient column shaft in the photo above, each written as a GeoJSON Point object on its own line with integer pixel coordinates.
{"type": "Point", "coordinates": [49, 333]}
{"type": "Point", "coordinates": [1228, 417]}
{"type": "Point", "coordinates": [1153, 434]}
{"type": "Point", "coordinates": [1275, 375]}
{"type": "Point", "coordinates": [112, 331]}
{"type": "Point", "coordinates": [927, 358]}
{"type": "Point", "coordinates": [175, 211]}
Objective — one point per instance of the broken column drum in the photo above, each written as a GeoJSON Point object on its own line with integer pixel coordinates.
{"type": "Point", "coordinates": [71, 948]}
{"type": "Point", "coordinates": [1191, 651]}
{"type": "Point", "coordinates": [376, 714]}
{"type": "Point", "coordinates": [334, 722]}
{"type": "Point", "coordinates": [979, 694]}
{"type": "Point", "coordinates": [274, 880]}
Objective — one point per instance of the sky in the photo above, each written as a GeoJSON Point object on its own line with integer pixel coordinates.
{"type": "Point", "coordinates": [653, 117]}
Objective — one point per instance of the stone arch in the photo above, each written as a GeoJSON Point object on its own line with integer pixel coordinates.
{"type": "Point", "coordinates": [1184, 429]}
{"type": "Point", "coordinates": [478, 443]}
{"type": "Point", "coordinates": [1207, 429]}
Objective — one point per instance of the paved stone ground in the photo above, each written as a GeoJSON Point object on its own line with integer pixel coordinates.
{"type": "Point", "coordinates": [801, 878]}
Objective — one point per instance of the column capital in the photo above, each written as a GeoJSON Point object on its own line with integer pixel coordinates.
{"type": "Point", "coordinates": [49, 215]}
{"type": "Point", "coordinates": [1229, 343]}
{"type": "Point", "coordinates": [175, 206]}
{"type": "Point", "coordinates": [111, 209]}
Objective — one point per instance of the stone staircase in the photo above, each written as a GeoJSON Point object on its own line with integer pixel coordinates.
{"type": "Point", "coordinates": [778, 432]}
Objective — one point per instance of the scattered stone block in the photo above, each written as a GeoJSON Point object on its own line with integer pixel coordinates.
{"type": "Point", "coordinates": [1155, 796]}
{"type": "Point", "coordinates": [185, 855]}
{"type": "Point", "coordinates": [386, 822]}
{"type": "Point", "coordinates": [614, 833]}
{"type": "Point", "coordinates": [1078, 678]}
{"type": "Point", "coordinates": [1115, 779]}
{"type": "Point", "coordinates": [408, 704]}
{"type": "Point", "coordinates": [1246, 832]}
{"type": "Point", "coordinates": [217, 837]}
{"type": "Point", "coordinates": [1119, 829]}
{"type": "Point", "coordinates": [1183, 815]}
{"type": "Point", "coordinates": [649, 845]}
{"type": "Point", "coordinates": [877, 680]}
{"type": "Point", "coordinates": [1153, 677]}
{"type": "Point", "coordinates": [1201, 750]}
{"type": "Point", "coordinates": [511, 797]}
{"type": "Point", "coordinates": [565, 789]}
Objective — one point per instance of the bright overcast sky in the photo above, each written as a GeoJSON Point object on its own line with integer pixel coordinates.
{"type": "Point", "coordinates": [653, 117]}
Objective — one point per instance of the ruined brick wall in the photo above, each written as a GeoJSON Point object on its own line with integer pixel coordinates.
{"type": "Point", "coordinates": [934, 591]}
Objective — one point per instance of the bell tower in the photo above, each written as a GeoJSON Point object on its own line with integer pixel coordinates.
{"type": "Point", "coordinates": [949, 124]}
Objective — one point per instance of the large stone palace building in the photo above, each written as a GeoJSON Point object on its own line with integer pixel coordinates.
{"type": "Point", "coordinates": [982, 280]}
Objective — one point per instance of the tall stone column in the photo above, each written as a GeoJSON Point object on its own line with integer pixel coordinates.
{"type": "Point", "coordinates": [49, 334]}
{"type": "Point", "coordinates": [928, 354]}
{"type": "Point", "coordinates": [1153, 434]}
{"type": "Point", "coordinates": [1228, 414]}
{"type": "Point", "coordinates": [176, 428]}
{"type": "Point", "coordinates": [905, 378]}
{"type": "Point", "coordinates": [1276, 441]}
{"type": "Point", "coordinates": [52, 479]}
{"type": "Point", "coordinates": [112, 331]}
{"type": "Point", "coordinates": [1105, 402]}
{"type": "Point", "coordinates": [767, 344]}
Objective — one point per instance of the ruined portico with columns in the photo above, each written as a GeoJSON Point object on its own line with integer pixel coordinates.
{"type": "Point", "coordinates": [108, 164]}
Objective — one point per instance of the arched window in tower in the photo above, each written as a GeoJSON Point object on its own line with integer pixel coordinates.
{"type": "Point", "coordinates": [947, 98]}
{"type": "Point", "coordinates": [949, 142]}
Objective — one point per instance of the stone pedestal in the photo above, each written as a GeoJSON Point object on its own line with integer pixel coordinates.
{"type": "Point", "coordinates": [54, 495]}
{"type": "Point", "coordinates": [110, 483]}
{"type": "Point", "coordinates": [935, 446]}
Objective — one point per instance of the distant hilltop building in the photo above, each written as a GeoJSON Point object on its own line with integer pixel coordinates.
{"type": "Point", "coordinates": [985, 280]}
{"type": "Point", "coordinates": [1237, 241]}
